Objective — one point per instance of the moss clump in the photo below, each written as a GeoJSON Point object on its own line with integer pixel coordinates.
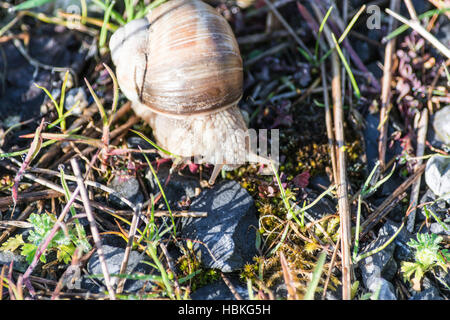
{"type": "Point", "coordinates": [189, 263]}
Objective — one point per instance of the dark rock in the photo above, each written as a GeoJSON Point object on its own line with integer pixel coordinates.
{"type": "Point", "coordinates": [322, 208]}
{"type": "Point", "coordinates": [385, 288]}
{"type": "Point", "coordinates": [371, 134]}
{"type": "Point", "coordinates": [19, 262]}
{"type": "Point", "coordinates": [440, 122]}
{"type": "Point", "coordinates": [438, 229]}
{"type": "Point", "coordinates": [135, 143]}
{"type": "Point", "coordinates": [427, 294]}
{"type": "Point", "coordinates": [364, 50]}
{"type": "Point", "coordinates": [18, 94]}
{"type": "Point", "coordinates": [229, 230]}
{"type": "Point", "coordinates": [179, 187]}
{"type": "Point", "coordinates": [113, 258]}
{"type": "Point", "coordinates": [439, 208]}
{"type": "Point", "coordinates": [437, 176]}
{"type": "Point", "coordinates": [127, 187]}
{"type": "Point", "coordinates": [443, 35]}
{"type": "Point", "coordinates": [402, 251]}
{"type": "Point", "coordinates": [382, 263]}
{"type": "Point", "coordinates": [219, 291]}
{"type": "Point", "coordinates": [320, 182]}
{"type": "Point", "coordinates": [391, 185]}
{"type": "Point", "coordinates": [375, 69]}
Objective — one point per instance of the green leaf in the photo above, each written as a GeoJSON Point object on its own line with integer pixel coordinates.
{"type": "Point", "coordinates": [12, 243]}
{"type": "Point", "coordinates": [65, 253]}
{"type": "Point", "coordinates": [29, 250]}
{"type": "Point", "coordinates": [354, 289]}
{"type": "Point", "coordinates": [30, 4]}
{"type": "Point", "coordinates": [347, 68]}
{"type": "Point", "coordinates": [408, 268]}
{"type": "Point", "coordinates": [104, 30]}
{"type": "Point", "coordinates": [316, 277]}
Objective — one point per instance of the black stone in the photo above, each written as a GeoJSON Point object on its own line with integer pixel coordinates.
{"type": "Point", "coordinates": [229, 230]}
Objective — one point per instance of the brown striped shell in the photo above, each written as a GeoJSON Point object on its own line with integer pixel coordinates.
{"type": "Point", "coordinates": [181, 67]}
{"type": "Point", "coordinates": [193, 63]}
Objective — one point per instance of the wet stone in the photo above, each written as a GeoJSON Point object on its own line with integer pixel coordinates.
{"type": "Point", "coordinates": [229, 229]}
{"type": "Point", "coordinates": [440, 121]}
{"type": "Point", "coordinates": [179, 187]}
{"type": "Point", "coordinates": [437, 176]}
{"type": "Point", "coordinates": [127, 187]}
{"type": "Point", "coordinates": [219, 291]}
{"type": "Point", "coordinates": [428, 294]}
{"type": "Point", "coordinates": [114, 257]}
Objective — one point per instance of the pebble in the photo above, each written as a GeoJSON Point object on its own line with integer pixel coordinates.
{"type": "Point", "coordinates": [437, 176]}
{"type": "Point", "coordinates": [179, 187]}
{"type": "Point", "coordinates": [386, 289]}
{"type": "Point", "coordinates": [127, 187]}
{"type": "Point", "coordinates": [427, 294]}
{"type": "Point", "coordinates": [438, 229]}
{"type": "Point", "coordinates": [229, 230]}
{"type": "Point", "coordinates": [19, 262]}
{"type": "Point", "coordinates": [113, 258]}
{"type": "Point", "coordinates": [441, 120]}
{"type": "Point", "coordinates": [72, 97]}
{"type": "Point", "coordinates": [382, 263]}
{"type": "Point", "coordinates": [219, 291]}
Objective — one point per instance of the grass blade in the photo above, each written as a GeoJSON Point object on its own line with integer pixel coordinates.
{"type": "Point", "coordinates": [30, 4]}
{"type": "Point", "coordinates": [104, 29]}
{"type": "Point", "coordinates": [347, 68]}
{"type": "Point", "coordinates": [315, 278]}
{"type": "Point", "coordinates": [322, 24]}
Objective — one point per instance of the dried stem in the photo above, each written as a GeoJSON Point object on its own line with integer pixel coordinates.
{"type": "Point", "coordinates": [341, 166]}
{"type": "Point", "coordinates": [423, 32]}
{"type": "Point", "coordinates": [386, 90]}
{"type": "Point", "coordinates": [94, 230]}
{"type": "Point", "coordinates": [131, 234]}
{"type": "Point", "coordinates": [421, 139]}
{"type": "Point", "coordinates": [387, 204]}
{"type": "Point", "coordinates": [329, 123]}
{"type": "Point", "coordinates": [287, 26]}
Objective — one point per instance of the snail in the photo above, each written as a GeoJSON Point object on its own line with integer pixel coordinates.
{"type": "Point", "coordinates": [182, 70]}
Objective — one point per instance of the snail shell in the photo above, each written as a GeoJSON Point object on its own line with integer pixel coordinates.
{"type": "Point", "coordinates": [182, 70]}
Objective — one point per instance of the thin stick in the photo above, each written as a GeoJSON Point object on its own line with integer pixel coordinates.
{"type": "Point", "coordinates": [344, 207]}
{"type": "Point", "coordinates": [386, 90]}
{"type": "Point", "coordinates": [329, 123]}
{"type": "Point", "coordinates": [23, 215]}
{"type": "Point", "coordinates": [341, 166]}
{"type": "Point", "coordinates": [330, 270]}
{"type": "Point", "coordinates": [421, 139]}
{"type": "Point", "coordinates": [29, 197]}
{"type": "Point", "coordinates": [94, 230]}
{"type": "Point", "coordinates": [423, 32]}
{"type": "Point", "coordinates": [171, 268]}
{"type": "Point", "coordinates": [411, 10]}
{"type": "Point", "coordinates": [230, 286]}
{"type": "Point", "coordinates": [123, 266]}
{"type": "Point", "coordinates": [287, 26]}
{"type": "Point", "coordinates": [382, 211]}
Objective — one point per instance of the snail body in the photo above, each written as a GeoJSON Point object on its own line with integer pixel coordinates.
{"type": "Point", "coordinates": [182, 70]}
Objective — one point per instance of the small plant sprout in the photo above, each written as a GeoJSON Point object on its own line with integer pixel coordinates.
{"type": "Point", "coordinates": [427, 256]}
{"type": "Point", "coordinates": [64, 242]}
{"type": "Point", "coordinates": [370, 186]}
